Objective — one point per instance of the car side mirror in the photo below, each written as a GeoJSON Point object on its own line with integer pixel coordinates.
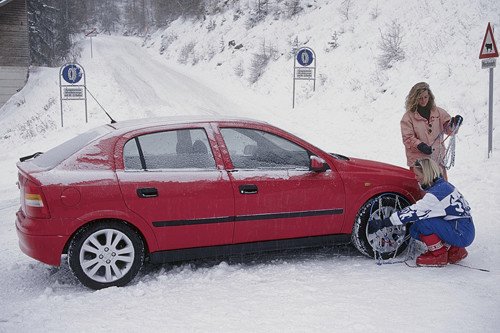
{"type": "Point", "coordinates": [317, 164]}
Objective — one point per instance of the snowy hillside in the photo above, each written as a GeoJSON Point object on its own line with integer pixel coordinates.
{"type": "Point", "coordinates": [190, 68]}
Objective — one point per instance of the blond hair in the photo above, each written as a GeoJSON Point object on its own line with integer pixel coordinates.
{"type": "Point", "coordinates": [430, 169]}
{"type": "Point", "coordinates": [415, 92]}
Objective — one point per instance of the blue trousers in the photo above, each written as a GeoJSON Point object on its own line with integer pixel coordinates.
{"type": "Point", "coordinates": [459, 233]}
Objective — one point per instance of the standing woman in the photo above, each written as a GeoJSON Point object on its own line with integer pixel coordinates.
{"type": "Point", "coordinates": [422, 123]}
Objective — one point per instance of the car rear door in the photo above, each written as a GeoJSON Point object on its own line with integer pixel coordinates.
{"type": "Point", "coordinates": [276, 195]}
{"type": "Point", "coordinates": [174, 180]}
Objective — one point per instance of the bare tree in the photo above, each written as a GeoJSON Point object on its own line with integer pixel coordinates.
{"type": "Point", "coordinates": [391, 46]}
{"type": "Point", "coordinates": [293, 7]}
{"type": "Point", "coordinates": [334, 42]}
{"type": "Point", "coordinates": [375, 12]}
{"type": "Point", "coordinates": [260, 61]}
{"type": "Point", "coordinates": [345, 8]}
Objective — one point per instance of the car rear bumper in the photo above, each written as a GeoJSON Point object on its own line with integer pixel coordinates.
{"type": "Point", "coordinates": [44, 248]}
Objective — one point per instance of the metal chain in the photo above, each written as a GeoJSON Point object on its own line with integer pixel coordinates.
{"type": "Point", "coordinates": [377, 250]}
{"type": "Point", "coordinates": [447, 158]}
{"type": "Point", "coordinates": [381, 239]}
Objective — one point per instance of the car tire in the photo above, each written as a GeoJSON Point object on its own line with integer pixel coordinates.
{"type": "Point", "coordinates": [371, 245]}
{"type": "Point", "coordinates": [106, 254]}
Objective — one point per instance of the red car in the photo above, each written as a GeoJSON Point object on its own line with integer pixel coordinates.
{"type": "Point", "coordinates": [173, 189]}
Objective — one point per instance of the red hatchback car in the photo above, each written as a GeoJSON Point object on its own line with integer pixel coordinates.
{"type": "Point", "coordinates": [173, 189]}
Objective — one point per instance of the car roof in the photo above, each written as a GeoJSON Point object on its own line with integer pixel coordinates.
{"type": "Point", "coordinates": [173, 120]}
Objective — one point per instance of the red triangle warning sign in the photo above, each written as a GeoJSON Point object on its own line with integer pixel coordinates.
{"type": "Point", "coordinates": [489, 48]}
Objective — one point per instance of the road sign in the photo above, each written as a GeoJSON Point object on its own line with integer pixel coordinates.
{"type": "Point", "coordinates": [304, 73]}
{"type": "Point", "coordinates": [72, 73]}
{"type": "Point", "coordinates": [304, 68]}
{"type": "Point", "coordinates": [73, 92]}
{"type": "Point", "coordinates": [489, 53]}
{"type": "Point", "coordinates": [305, 57]}
{"type": "Point", "coordinates": [91, 33]}
{"type": "Point", "coordinates": [489, 48]}
{"type": "Point", "coordinates": [69, 76]}
{"type": "Point", "coordinates": [488, 63]}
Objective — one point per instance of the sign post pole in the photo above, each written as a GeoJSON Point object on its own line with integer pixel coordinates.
{"type": "Point", "coordinates": [490, 121]}
{"type": "Point", "coordinates": [489, 53]}
{"type": "Point", "coordinates": [71, 90]}
{"type": "Point", "coordinates": [304, 68]}
{"type": "Point", "coordinates": [91, 34]}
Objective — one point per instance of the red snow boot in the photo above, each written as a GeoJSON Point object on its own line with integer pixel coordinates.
{"type": "Point", "coordinates": [437, 255]}
{"type": "Point", "coordinates": [455, 254]}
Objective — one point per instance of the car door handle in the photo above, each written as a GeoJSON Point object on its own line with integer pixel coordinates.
{"type": "Point", "coordinates": [248, 189]}
{"type": "Point", "coordinates": [147, 192]}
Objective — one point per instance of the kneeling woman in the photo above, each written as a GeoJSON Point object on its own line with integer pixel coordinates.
{"type": "Point", "coordinates": [441, 219]}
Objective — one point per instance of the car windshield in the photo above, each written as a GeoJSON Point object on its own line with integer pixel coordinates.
{"type": "Point", "coordinates": [56, 155]}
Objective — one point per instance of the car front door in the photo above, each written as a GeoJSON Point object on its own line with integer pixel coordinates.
{"type": "Point", "coordinates": [171, 179]}
{"type": "Point", "coordinates": [276, 195]}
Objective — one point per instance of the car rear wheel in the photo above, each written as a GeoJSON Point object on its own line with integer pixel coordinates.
{"type": "Point", "coordinates": [380, 207]}
{"type": "Point", "coordinates": [106, 254]}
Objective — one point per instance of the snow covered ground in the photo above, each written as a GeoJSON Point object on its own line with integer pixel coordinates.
{"type": "Point", "coordinates": [355, 111]}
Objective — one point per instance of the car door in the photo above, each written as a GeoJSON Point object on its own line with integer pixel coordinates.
{"type": "Point", "coordinates": [172, 180]}
{"type": "Point", "coordinates": [276, 195]}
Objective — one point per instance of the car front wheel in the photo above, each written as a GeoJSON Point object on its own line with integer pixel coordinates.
{"type": "Point", "coordinates": [106, 254]}
{"type": "Point", "coordinates": [380, 207]}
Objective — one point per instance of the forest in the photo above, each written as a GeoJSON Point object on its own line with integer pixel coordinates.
{"type": "Point", "coordinates": [53, 23]}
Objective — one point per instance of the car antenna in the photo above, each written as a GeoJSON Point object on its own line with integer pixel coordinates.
{"type": "Point", "coordinates": [107, 114]}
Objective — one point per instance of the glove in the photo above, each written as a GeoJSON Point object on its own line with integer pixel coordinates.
{"type": "Point", "coordinates": [376, 225]}
{"type": "Point", "coordinates": [427, 150]}
{"type": "Point", "coordinates": [457, 120]}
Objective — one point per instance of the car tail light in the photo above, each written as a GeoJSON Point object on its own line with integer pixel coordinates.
{"type": "Point", "coordinates": [33, 201]}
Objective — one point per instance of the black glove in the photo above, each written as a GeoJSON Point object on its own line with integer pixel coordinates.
{"type": "Point", "coordinates": [376, 225]}
{"type": "Point", "coordinates": [457, 120]}
{"type": "Point", "coordinates": [427, 150]}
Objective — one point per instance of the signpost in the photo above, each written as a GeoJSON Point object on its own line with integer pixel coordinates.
{"type": "Point", "coordinates": [72, 88]}
{"type": "Point", "coordinates": [304, 68]}
{"type": "Point", "coordinates": [91, 34]}
{"type": "Point", "coordinates": [489, 53]}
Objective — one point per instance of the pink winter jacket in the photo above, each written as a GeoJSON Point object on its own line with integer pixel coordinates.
{"type": "Point", "coordinates": [416, 129]}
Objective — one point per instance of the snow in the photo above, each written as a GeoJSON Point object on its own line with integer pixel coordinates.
{"type": "Point", "coordinates": [354, 111]}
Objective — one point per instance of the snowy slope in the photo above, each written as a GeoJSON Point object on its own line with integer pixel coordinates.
{"type": "Point", "coordinates": [355, 110]}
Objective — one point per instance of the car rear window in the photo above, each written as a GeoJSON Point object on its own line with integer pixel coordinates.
{"type": "Point", "coordinates": [177, 149]}
{"type": "Point", "coordinates": [56, 155]}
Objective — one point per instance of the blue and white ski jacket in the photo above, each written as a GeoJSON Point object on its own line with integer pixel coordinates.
{"type": "Point", "coordinates": [441, 200]}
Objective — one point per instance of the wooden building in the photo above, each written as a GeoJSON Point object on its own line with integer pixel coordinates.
{"type": "Point", "coordinates": [14, 48]}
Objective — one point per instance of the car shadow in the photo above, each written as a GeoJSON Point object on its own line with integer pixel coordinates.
{"type": "Point", "coordinates": [61, 277]}
{"type": "Point", "coordinates": [334, 252]}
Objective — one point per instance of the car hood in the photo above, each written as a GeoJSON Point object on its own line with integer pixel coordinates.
{"type": "Point", "coordinates": [377, 177]}
{"type": "Point", "coordinates": [361, 165]}
{"type": "Point", "coordinates": [375, 173]}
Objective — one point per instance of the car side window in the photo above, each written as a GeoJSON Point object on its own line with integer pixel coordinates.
{"type": "Point", "coordinates": [178, 149]}
{"type": "Point", "coordinates": [254, 149]}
